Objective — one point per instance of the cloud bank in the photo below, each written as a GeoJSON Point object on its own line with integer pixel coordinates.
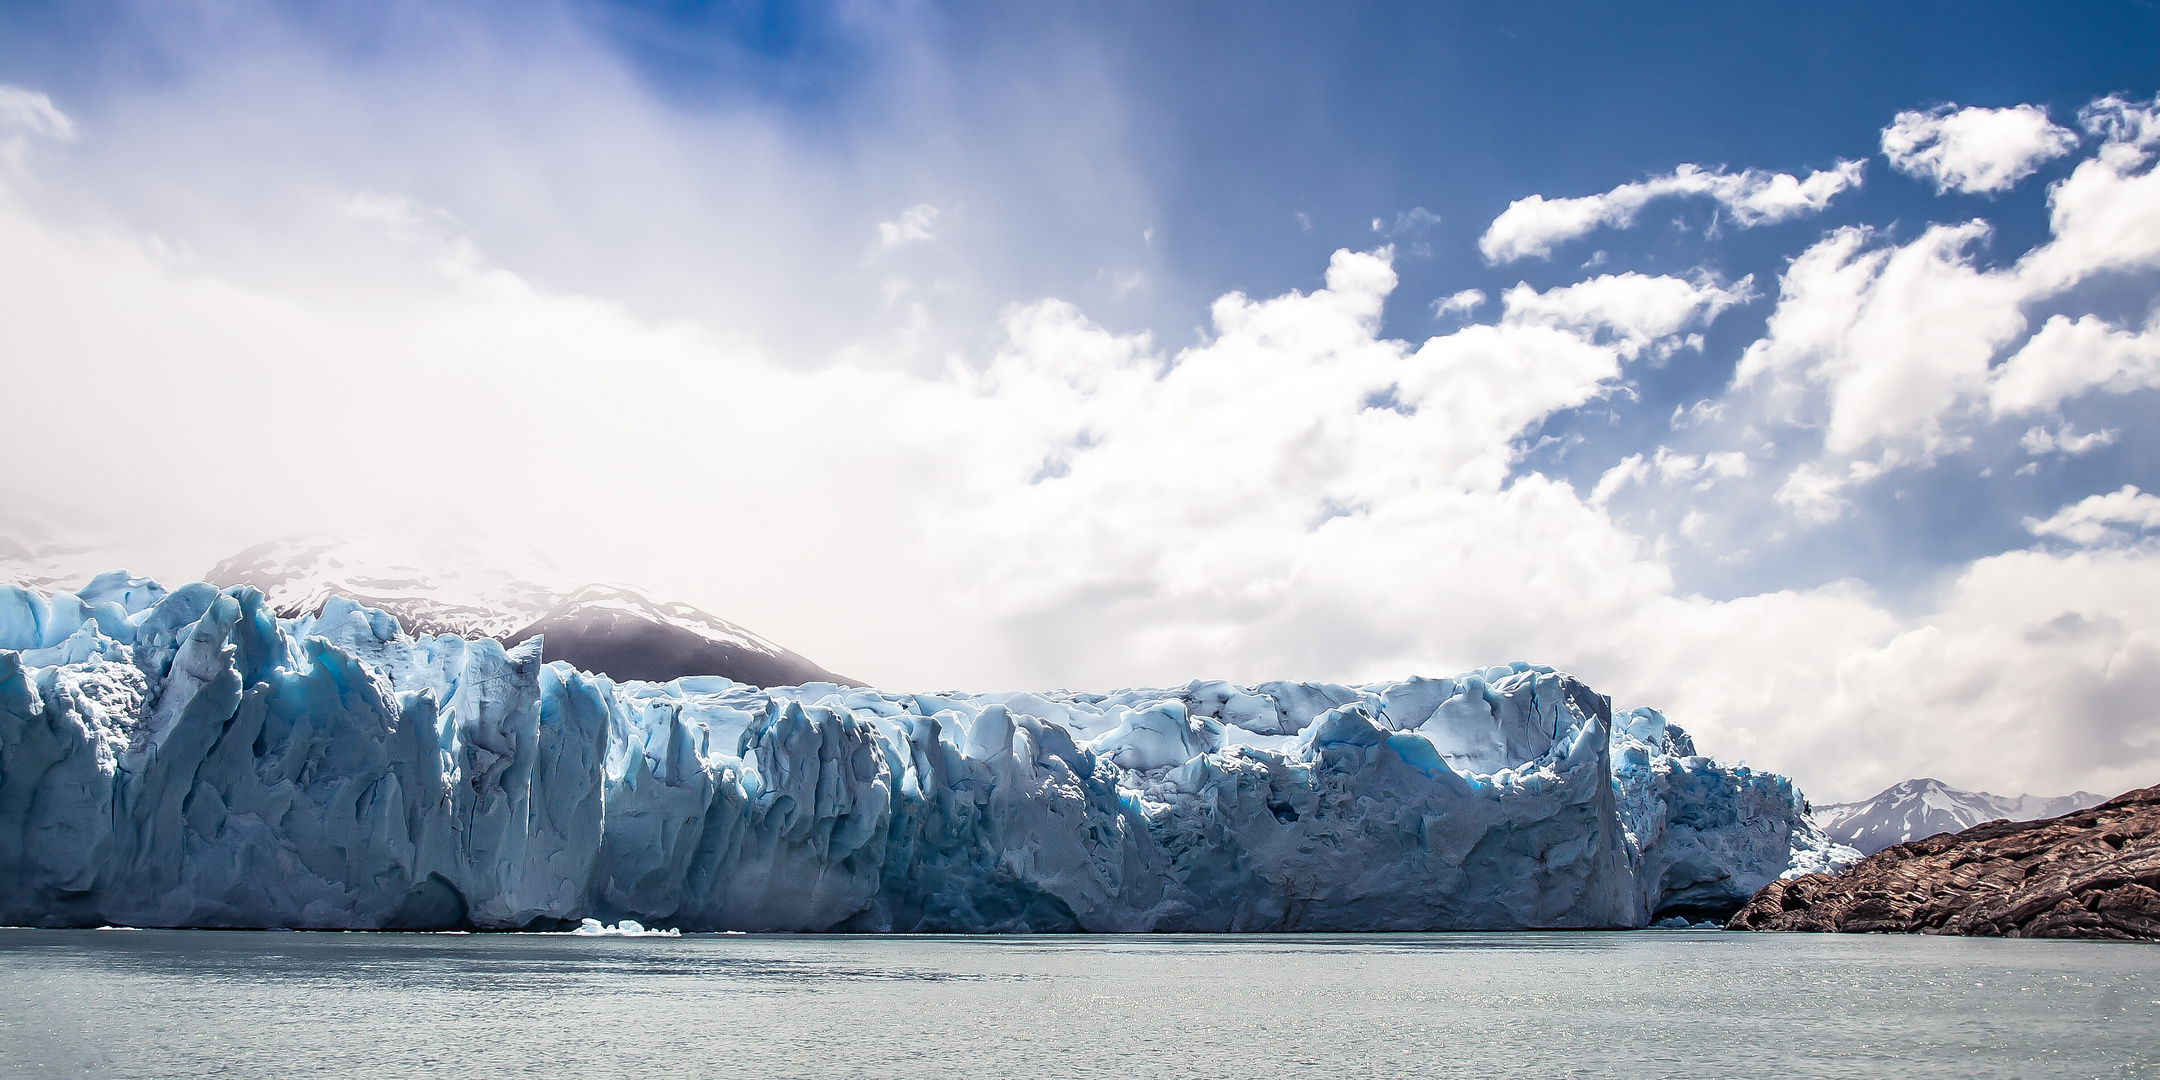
{"type": "Point", "coordinates": [1295, 493]}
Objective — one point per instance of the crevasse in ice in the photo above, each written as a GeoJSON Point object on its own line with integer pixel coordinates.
{"type": "Point", "coordinates": [186, 758]}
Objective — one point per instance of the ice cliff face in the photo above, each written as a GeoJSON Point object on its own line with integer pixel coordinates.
{"type": "Point", "coordinates": [190, 759]}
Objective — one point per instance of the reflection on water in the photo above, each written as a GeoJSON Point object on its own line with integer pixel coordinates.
{"type": "Point", "coordinates": [1651, 1004]}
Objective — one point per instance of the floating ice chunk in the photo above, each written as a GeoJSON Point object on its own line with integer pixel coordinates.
{"type": "Point", "coordinates": [625, 928]}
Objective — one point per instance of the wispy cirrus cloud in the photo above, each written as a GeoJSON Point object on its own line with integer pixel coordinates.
{"type": "Point", "coordinates": [2067, 440]}
{"type": "Point", "coordinates": [916, 224]}
{"type": "Point", "coordinates": [27, 115]}
{"type": "Point", "coordinates": [31, 112]}
{"type": "Point", "coordinates": [1535, 225]}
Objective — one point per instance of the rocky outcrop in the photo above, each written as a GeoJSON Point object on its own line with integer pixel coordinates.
{"type": "Point", "coordinates": [2090, 874]}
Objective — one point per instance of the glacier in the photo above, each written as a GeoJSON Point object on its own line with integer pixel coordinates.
{"type": "Point", "coordinates": [189, 758]}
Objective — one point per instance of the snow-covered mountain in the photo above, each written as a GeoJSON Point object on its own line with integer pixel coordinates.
{"type": "Point", "coordinates": [1925, 807]}
{"type": "Point", "coordinates": [451, 587]}
{"type": "Point", "coordinates": [33, 557]}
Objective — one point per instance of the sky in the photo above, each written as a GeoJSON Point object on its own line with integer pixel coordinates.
{"type": "Point", "coordinates": [1789, 369]}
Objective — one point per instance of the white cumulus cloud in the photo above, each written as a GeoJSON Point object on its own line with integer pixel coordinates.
{"type": "Point", "coordinates": [2122, 122]}
{"type": "Point", "coordinates": [1974, 149]}
{"type": "Point", "coordinates": [1896, 353]}
{"type": "Point", "coordinates": [1895, 338]}
{"type": "Point", "coordinates": [1461, 303]}
{"type": "Point", "coordinates": [2068, 357]}
{"type": "Point", "coordinates": [1633, 311]}
{"type": "Point", "coordinates": [2106, 215]}
{"type": "Point", "coordinates": [2095, 518]}
{"type": "Point", "coordinates": [1813, 494]}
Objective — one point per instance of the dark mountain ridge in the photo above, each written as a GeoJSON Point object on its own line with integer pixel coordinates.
{"type": "Point", "coordinates": [611, 630]}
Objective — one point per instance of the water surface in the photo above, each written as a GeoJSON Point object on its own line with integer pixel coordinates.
{"type": "Point", "coordinates": [1649, 1004]}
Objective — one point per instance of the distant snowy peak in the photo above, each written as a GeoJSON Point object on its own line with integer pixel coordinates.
{"type": "Point", "coordinates": [454, 589]}
{"type": "Point", "coordinates": [624, 635]}
{"type": "Point", "coordinates": [1924, 807]}
{"type": "Point", "coordinates": [430, 592]}
{"type": "Point", "coordinates": [30, 557]}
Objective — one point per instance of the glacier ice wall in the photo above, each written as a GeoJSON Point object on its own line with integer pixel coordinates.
{"type": "Point", "coordinates": [186, 758]}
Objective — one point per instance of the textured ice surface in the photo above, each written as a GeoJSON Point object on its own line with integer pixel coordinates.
{"type": "Point", "coordinates": [190, 759]}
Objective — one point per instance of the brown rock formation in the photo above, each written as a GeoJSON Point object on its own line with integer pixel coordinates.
{"type": "Point", "coordinates": [2090, 874]}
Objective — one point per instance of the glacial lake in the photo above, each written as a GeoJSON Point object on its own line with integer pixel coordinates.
{"type": "Point", "coordinates": [1646, 1004]}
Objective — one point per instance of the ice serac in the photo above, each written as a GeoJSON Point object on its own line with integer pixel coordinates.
{"type": "Point", "coordinates": [191, 758]}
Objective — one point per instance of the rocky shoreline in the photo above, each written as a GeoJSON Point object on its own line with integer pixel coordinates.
{"type": "Point", "coordinates": [2094, 873]}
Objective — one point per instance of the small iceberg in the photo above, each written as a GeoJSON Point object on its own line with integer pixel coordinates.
{"type": "Point", "coordinates": [625, 928]}
{"type": "Point", "coordinates": [1678, 923]}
